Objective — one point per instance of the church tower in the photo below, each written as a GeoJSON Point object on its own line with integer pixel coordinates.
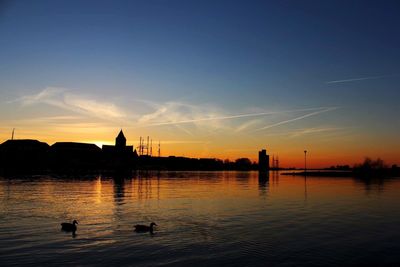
{"type": "Point", "coordinates": [120, 141]}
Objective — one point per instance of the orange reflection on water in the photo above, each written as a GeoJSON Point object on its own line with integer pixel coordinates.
{"type": "Point", "coordinates": [101, 200]}
{"type": "Point", "coordinates": [206, 214]}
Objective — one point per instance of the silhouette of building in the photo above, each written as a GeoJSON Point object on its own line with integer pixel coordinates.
{"type": "Point", "coordinates": [35, 156]}
{"type": "Point", "coordinates": [74, 156]}
{"type": "Point", "coordinates": [120, 145]}
{"type": "Point", "coordinates": [23, 155]}
{"type": "Point", "coordinates": [74, 147]}
{"type": "Point", "coordinates": [263, 161]}
{"type": "Point", "coordinates": [120, 140]}
{"type": "Point", "coordinates": [120, 155]}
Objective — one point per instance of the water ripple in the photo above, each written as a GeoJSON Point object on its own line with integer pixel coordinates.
{"type": "Point", "coordinates": [204, 218]}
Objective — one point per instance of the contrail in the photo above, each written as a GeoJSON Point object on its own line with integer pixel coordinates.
{"type": "Point", "coordinates": [296, 119]}
{"type": "Point", "coordinates": [359, 79]}
{"type": "Point", "coordinates": [233, 116]}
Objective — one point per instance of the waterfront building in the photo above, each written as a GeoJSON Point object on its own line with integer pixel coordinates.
{"type": "Point", "coordinates": [263, 161]}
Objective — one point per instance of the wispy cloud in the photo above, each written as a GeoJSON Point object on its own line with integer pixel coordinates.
{"type": "Point", "coordinates": [173, 113]}
{"type": "Point", "coordinates": [50, 119]}
{"type": "Point", "coordinates": [297, 118]}
{"type": "Point", "coordinates": [66, 100]}
{"type": "Point", "coordinates": [210, 119]}
{"type": "Point", "coordinates": [359, 79]}
{"type": "Point", "coordinates": [248, 124]}
{"type": "Point", "coordinates": [314, 130]}
{"type": "Point", "coordinates": [93, 107]}
{"type": "Point", "coordinates": [174, 142]}
{"type": "Point", "coordinates": [192, 119]}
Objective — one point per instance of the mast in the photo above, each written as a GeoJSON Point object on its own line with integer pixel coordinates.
{"type": "Point", "coordinates": [140, 145]}
{"type": "Point", "coordinates": [151, 147]}
{"type": "Point", "coordinates": [147, 146]}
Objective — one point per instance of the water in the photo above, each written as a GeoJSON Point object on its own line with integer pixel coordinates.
{"type": "Point", "coordinates": [204, 218]}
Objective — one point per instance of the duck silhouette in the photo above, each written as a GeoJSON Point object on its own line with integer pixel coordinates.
{"type": "Point", "coordinates": [144, 228]}
{"type": "Point", "coordinates": [69, 227]}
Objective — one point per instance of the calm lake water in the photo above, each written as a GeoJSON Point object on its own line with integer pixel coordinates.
{"type": "Point", "coordinates": [204, 218]}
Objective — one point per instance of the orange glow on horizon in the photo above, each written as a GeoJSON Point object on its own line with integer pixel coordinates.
{"type": "Point", "coordinates": [320, 155]}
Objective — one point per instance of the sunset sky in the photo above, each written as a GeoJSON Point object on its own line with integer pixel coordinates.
{"type": "Point", "coordinates": [206, 78]}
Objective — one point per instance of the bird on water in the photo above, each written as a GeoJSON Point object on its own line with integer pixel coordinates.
{"type": "Point", "coordinates": [145, 228]}
{"type": "Point", "coordinates": [69, 227]}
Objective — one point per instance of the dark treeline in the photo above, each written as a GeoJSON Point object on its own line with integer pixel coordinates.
{"type": "Point", "coordinates": [369, 169]}
{"type": "Point", "coordinates": [375, 168]}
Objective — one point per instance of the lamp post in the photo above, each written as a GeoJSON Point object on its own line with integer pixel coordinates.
{"type": "Point", "coordinates": [305, 161]}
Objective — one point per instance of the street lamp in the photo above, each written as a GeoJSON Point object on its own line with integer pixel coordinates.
{"type": "Point", "coordinates": [305, 161]}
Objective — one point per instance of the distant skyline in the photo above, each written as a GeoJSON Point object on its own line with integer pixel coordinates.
{"type": "Point", "coordinates": [207, 78]}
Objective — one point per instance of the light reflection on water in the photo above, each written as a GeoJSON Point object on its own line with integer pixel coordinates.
{"type": "Point", "coordinates": [204, 218]}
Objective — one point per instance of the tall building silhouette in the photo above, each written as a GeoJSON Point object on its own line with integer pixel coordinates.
{"type": "Point", "coordinates": [120, 141]}
{"type": "Point", "coordinates": [263, 161]}
{"type": "Point", "coordinates": [120, 155]}
{"type": "Point", "coordinates": [120, 145]}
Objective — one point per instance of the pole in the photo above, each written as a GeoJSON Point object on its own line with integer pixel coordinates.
{"type": "Point", "coordinates": [147, 146]}
{"type": "Point", "coordinates": [305, 161]}
{"type": "Point", "coordinates": [277, 162]}
{"type": "Point", "coordinates": [141, 146]}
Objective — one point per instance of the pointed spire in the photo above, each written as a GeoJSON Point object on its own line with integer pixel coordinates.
{"type": "Point", "coordinates": [121, 134]}
{"type": "Point", "coordinates": [120, 141]}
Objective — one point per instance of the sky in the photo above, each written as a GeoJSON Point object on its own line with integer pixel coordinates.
{"type": "Point", "coordinates": [217, 79]}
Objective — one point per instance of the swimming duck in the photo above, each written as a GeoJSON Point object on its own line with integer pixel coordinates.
{"type": "Point", "coordinates": [69, 227]}
{"type": "Point", "coordinates": [144, 228]}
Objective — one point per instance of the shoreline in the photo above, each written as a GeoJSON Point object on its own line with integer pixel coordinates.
{"type": "Point", "coordinates": [322, 173]}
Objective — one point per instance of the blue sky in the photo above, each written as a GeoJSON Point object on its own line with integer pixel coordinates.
{"type": "Point", "coordinates": [175, 61]}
